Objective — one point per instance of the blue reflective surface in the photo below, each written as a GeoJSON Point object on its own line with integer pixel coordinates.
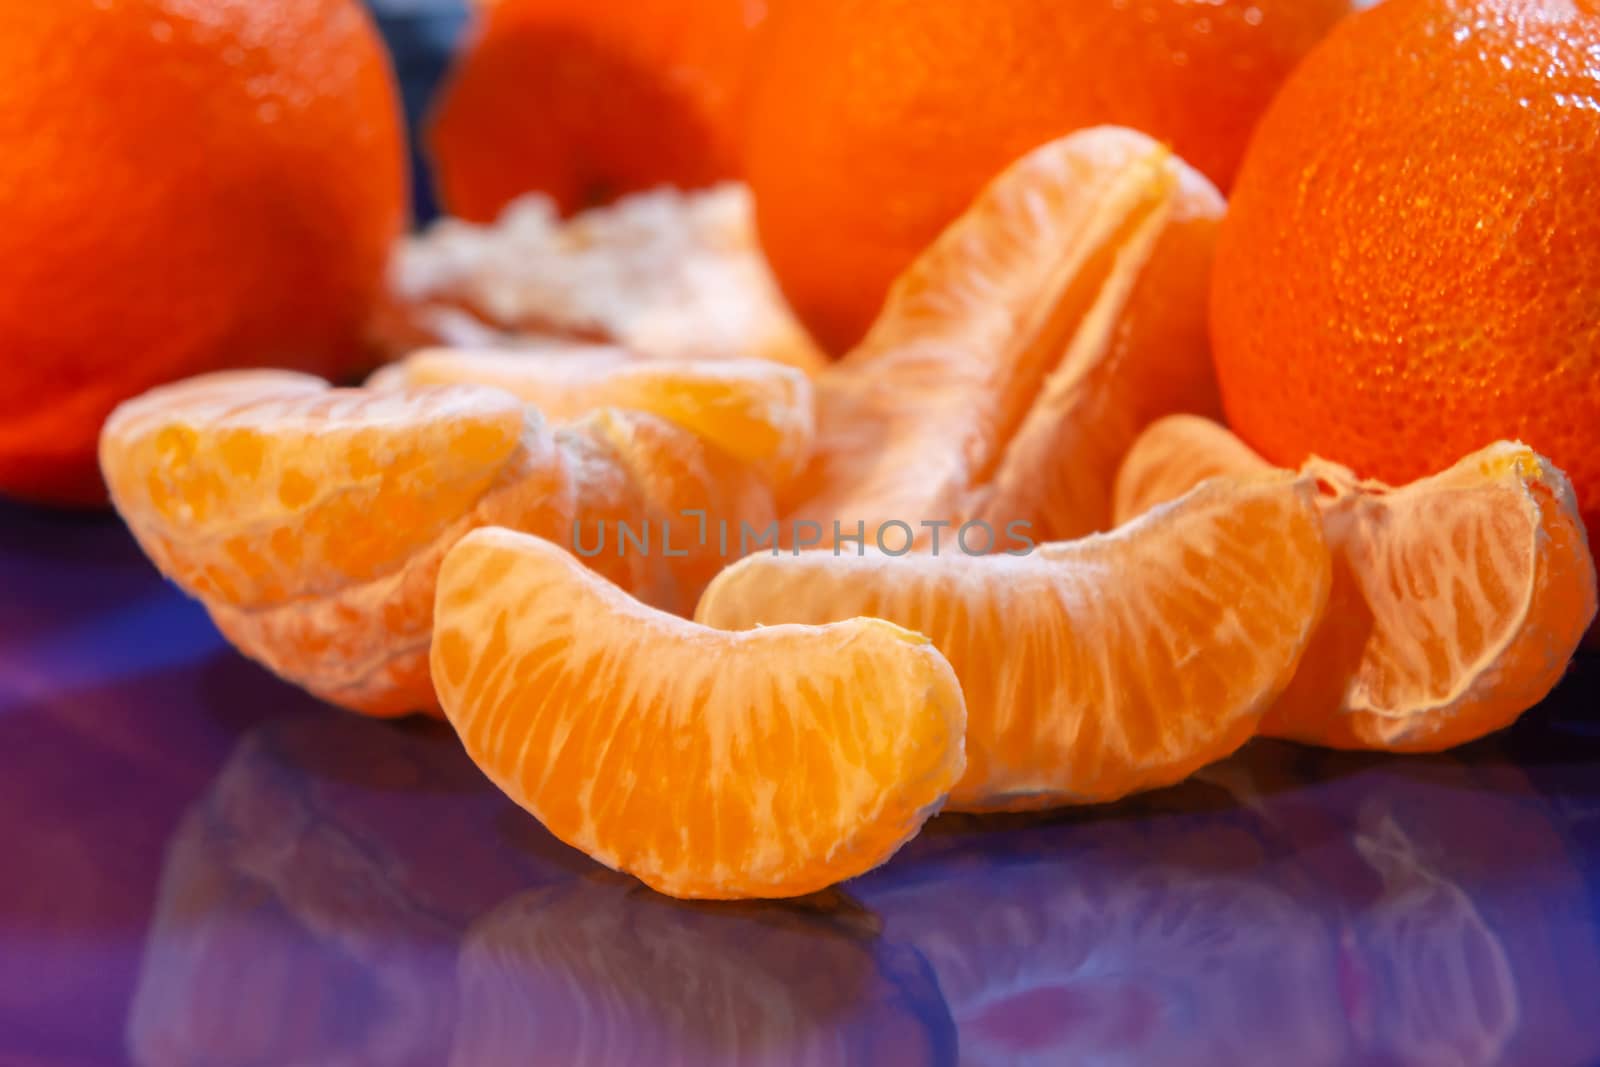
{"type": "Point", "coordinates": [203, 866]}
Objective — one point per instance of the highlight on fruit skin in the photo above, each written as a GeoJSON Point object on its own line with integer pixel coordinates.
{"type": "Point", "coordinates": [1411, 263]}
{"type": "Point", "coordinates": [1017, 359]}
{"type": "Point", "coordinates": [759, 412]}
{"type": "Point", "coordinates": [311, 521]}
{"type": "Point", "coordinates": [771, 763]}
{"type": "Point", "coordinates": [1458, 599]}
{"type": "Point", "coordinates": [1091, 669]}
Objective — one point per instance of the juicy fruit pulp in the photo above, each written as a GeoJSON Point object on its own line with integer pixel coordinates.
{"type": "Point", "coordinates": [1458, 600]}
{"type": "Point", "coordinates": [1385, 306]}
{"type": "Point", "coordinates": [758, 412]}
{"type": "Point", "coordinates": [1019, 357]}
{"type": "Point", "coordinates": [1091, 669]}
{"type": "Point", "coordinates": [708, 764]}
{"type": "Point", "coordinates": [311, 521]}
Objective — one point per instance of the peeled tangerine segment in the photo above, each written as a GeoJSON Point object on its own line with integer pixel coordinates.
{"type": "Point", "coordinates": [1016, 361]}
{"type": "Point", "coordinates": [255, 487]}
{"type": "Point", "coordinates": [764, 764]}
{"type": "Point", "coordinates": [312, 521]}
{"type": "Point", "coordinates": [756, 411]}
{"type": "Point", "coordinates": [1458, 600]}
{"type": "Point", "coordinates": [1173, 456]}
{"type": "Point", "coordinates": [1091, 669]}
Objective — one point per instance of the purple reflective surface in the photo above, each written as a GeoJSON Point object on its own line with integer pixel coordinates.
{"type": "Point", "coordinates": [203, 866]}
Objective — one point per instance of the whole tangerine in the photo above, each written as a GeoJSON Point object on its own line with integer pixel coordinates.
{"type": "Point", "coordinates": [184, 187]}
{"type": "Point", "coordinates": [873, 123]}
{"type": "Point", "coordinates": [587, 101]}
{"type": "Point", "coordinates": [1410, 268]}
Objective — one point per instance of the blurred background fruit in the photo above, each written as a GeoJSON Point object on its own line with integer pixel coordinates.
{"type": "Point", "coordinates": [1411, 265]}
{"type": "Point", "coordinates": [586, 101]}
{"type": "Point", "coordinates": [185, 187]}
{"type": "Point", "coordinates": [666, 274]}
{"type": "Point", "coordinates": [872, 123]}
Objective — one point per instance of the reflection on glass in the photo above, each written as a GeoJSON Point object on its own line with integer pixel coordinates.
{"type": "Point", "coordinates": [1170, 941]}
{"type": "Point", "coordinates": [1294, 908]}
{"type": "Point", "coordinates": [357, 893]}
{"type": "Point", "coordinates": [1464, 922]}
{"type": "Point", "coordinates": [607, 972]}
{"type": "Point", "coordinates": [312, 905]}
{"type": "Point", "coordinates": [1440, 987]}
{"type": "Point", "coordinates": [353, 892]}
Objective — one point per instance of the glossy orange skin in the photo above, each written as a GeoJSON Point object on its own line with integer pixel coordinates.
{"type": "Point", "coordinates": [873, 123]}
{"type": "Point", "coordinates": [586, 101]}
{"type": "Point", "coordinates": [185, 187]}
{"type": "Point", "coordinates": [1411, 265]}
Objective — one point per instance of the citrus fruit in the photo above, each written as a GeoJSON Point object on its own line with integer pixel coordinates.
{"type": "Point", "coordinates": [1457, 602]}
{"type": "Point", "coordinates": [873, 123]}
{"type": "Point", "coordinates": [667, 275]}
{"type": "Point", "coordinates": [771, 763]}
{"type": "Point", "coordinates": [311, 521]}
{"type": "Point", "coordinates": [276, 134]}
{"type": "Point", "coordinates": [756, 411]}
{"type": "Point", "coordinates": [1021, 354]}
{"type": "Point", "coordinates": [1411, 263]}
{"type": "Point", "coordinates": [600, 972]}
{"type": "Point", "coordinates": [1091, 669]}
{"type": "Point", "coordinates": [587, 101]}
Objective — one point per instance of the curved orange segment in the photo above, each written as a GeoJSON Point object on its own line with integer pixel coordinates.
{"type": "Point", "coordinates": [1173, 456]}
{"type": "Point", "coordinates": [1096, 668]}
{"type": "Point", "coordinates": [263, 486]}
{"type": "Point", "coordinates": [1458, 599]}
{"type": "Point", "coordinates": [756, 411]}
{"type": "Point", "coordinates": [1017, 359]}
{"type": "Point", "coordinates": [709, 764]}
{"type": "Point", "coordinates": [312, 521]}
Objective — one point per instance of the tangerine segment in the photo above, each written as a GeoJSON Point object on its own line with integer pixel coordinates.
{"type": "Point", "coordinates": [256, 487]}
{"type": "Point", "coordinates": [1096, 668]}
{"type": "Point", "coordinates": [365, 646]}
{"type": "Point", "coordinates": [1018, 358]}
{"type": "Point", "coordinates": [719, 765]}
{"type": "Point", "coordinates": [613, 486]}
{"type": "Point", "coordinates": [1458, 600]}
{"type": "Point", "coordinates": [690, 499]}
{"type": "Point", "coordinates": [1463, 598]}
{"type": "Point", "coordinates": [1174, 455]}
{"type": "Point", "coordinates": [756, 411]}
{"type": "Point", "coordinates": [333, 589]}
